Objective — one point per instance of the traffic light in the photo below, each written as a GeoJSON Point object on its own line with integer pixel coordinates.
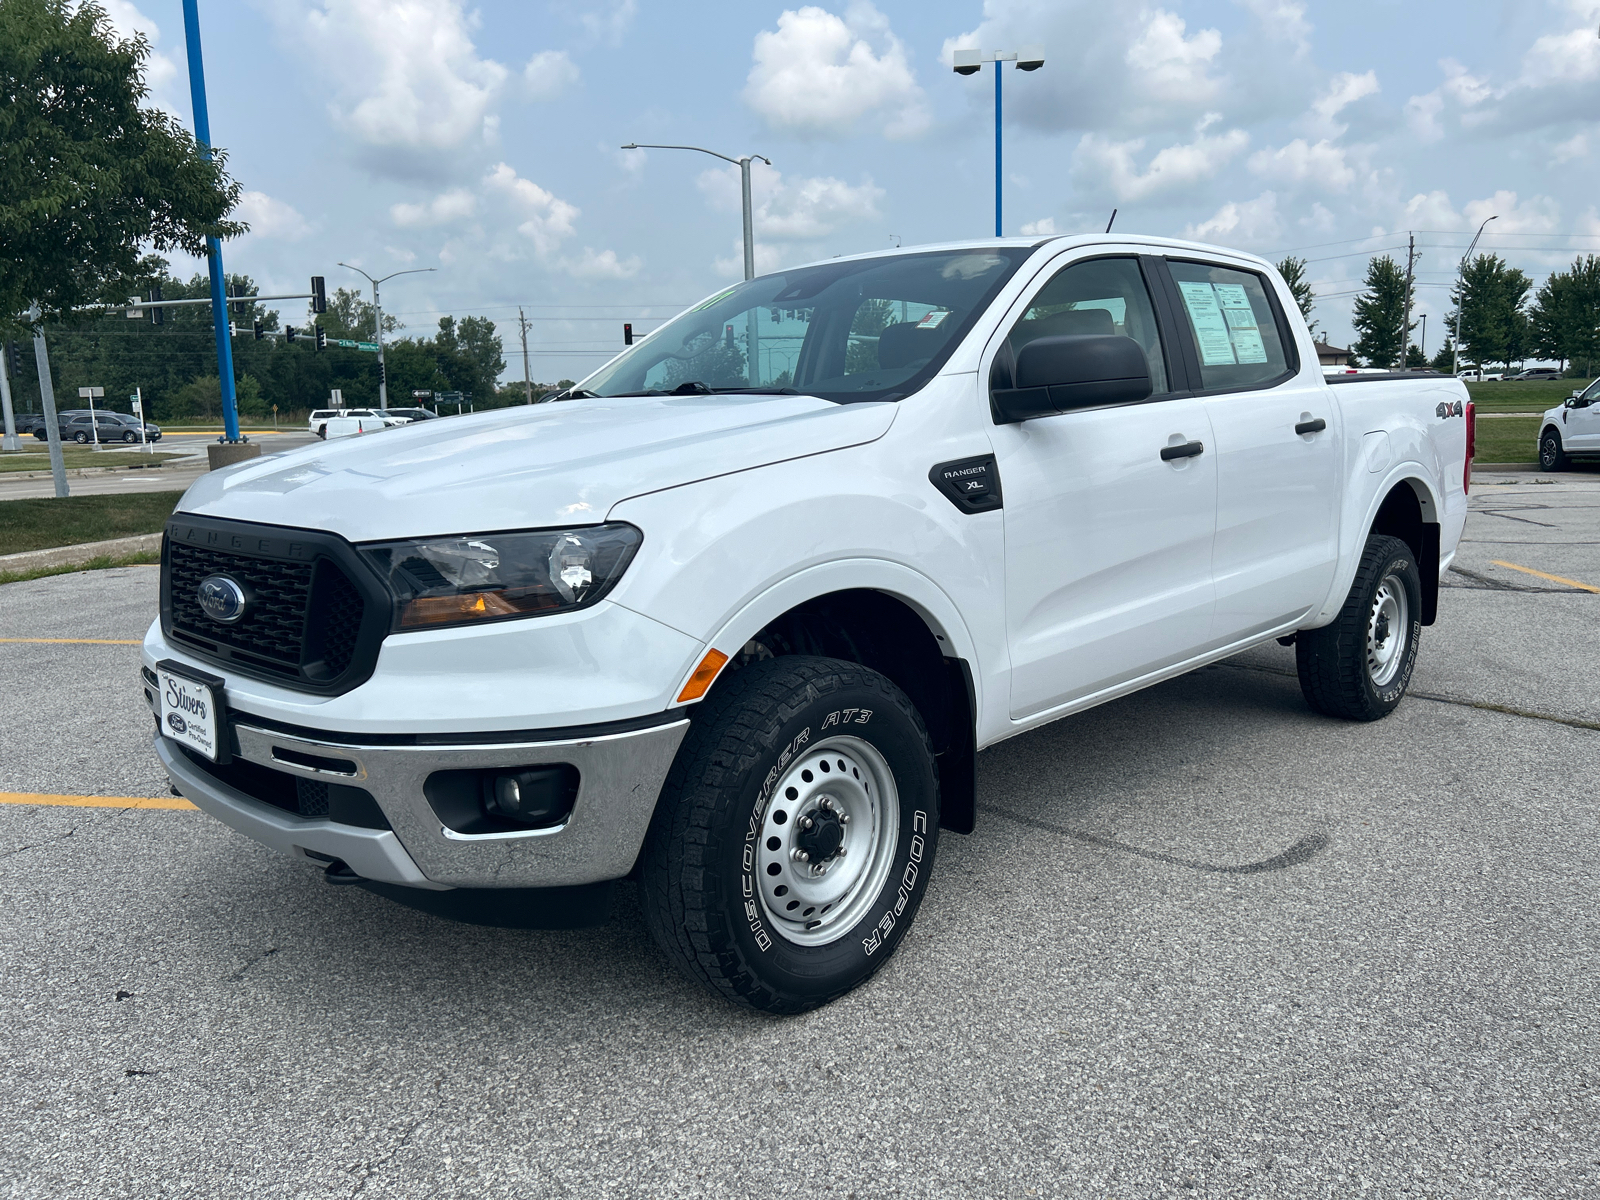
{"type": "Point", "coordinates": [260, 333]}
{"type": "Point", "coordinates": [383, 375]}
{"type": "Point", "coordinates": [14, 358]}
{"type": "Point", "coordinates": [157, 316]}
{"type": "Point", "coordinates": [290, 333]}
{"type": "Point", "coordinates": [319, 295]}
{"type": "Point", "coordinates": [322, 338]}
{"type": "Point", "coordinates": [233, 329]}
{"type": "Point", "coordinates": [627, 334]}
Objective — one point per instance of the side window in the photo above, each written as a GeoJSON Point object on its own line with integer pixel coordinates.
{"type": "Point", "coordinates": [1235, 330]}
{"type": "Point", "coordinates": [1104, 296]}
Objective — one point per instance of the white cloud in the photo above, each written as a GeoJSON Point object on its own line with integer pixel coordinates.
{"type": "Point", "coordinates": [602, 264]}
{"type": "Point", "coordinates": [161, 71]}
{"type": "Point", "coordinates": [269, 218]}
{"type": "Point", "coordinates": [454, 205]}
{"type": "Point", "coordinates": [821, 75]}
{"type": "Point", "coordinates": [1577, 146]}
{"type": "Point", "coordinates": [1248, 223]}
{"type": "Point", "coordinates": [1342, 91]}
{"type": "Point", "coordinates": [547, 218]}
{"type": "Point", "coordinates": [1283, 20]}
{"type": "Point", "coordinates": [612, 21]}
{"type": "Point", "coordinates": [1318, 164]}
{"type": "Point", "coordinates": [790, 216]}
{"type": "Point", "coordinates": [1107, 165]}
{"type": "Point", "coordinates": [407, 76]}
{"type": "Point", "coordinates": [549, 74]}
{"type": "Point", "coordinates": [1043, 227]}
{"type": "Point", "coordinates": [1172, 66]}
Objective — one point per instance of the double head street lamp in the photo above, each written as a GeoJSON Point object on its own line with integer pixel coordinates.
{"type": "Point", "coordinates": [744, 186]}
{"type": "Point", "coordinates": [970, 62]}
{"type": "Point", "coordinates": [377, 310]}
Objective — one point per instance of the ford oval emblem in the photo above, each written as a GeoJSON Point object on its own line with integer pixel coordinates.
{"type": "Point", "coordinates": [221, 598]}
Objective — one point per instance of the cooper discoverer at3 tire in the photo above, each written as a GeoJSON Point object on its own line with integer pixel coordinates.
{"type": "Point", "coordinates": [795, 834]}
{"type": "Point", "coordinates": [1359, 666]}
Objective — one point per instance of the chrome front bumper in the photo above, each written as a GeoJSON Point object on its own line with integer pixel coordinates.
{"type": "Point", "coordinates": [620, 776]}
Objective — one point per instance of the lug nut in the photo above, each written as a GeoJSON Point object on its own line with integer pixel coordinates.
{"type": "Point", "coordinates": [801, 856]}
{"type": "Point", "coordinates": [839, 853]}
{"type": "Point", "coordinates": [844, 817]}
{"type": "Point", "coordinates": [806, 822]}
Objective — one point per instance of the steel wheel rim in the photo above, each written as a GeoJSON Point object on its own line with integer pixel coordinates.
{"type": "Point", "coordinates": [812, 907]}
{"type": "Point", "coordinates": [1388, 629]}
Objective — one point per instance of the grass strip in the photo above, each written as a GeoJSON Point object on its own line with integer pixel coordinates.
{"type": "Point", "coordinates": [1528, 396]}
{"type": "Point", "coordinates": [94, 564]}
{"type": "Point", "coordinates": [41, 524]}
{"type": "Point", "coordinates": [1508, 440]}
{"type": "Point", "coordinates": [39, 460]}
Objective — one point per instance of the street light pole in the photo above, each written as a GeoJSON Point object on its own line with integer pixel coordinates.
{"type": "Point", "coordinates": [970, 62]}
{"type": "Point", "coordinates": [377, 310]}
{"type": "Point", "coordinates": [744, 192]}
{"type": "Point", "coordinates": [1461, 287]}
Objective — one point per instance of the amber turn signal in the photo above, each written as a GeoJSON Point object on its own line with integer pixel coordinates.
{"type": "Point", "coordinates": [704, 675]}
{"type": "Point", "coordinates": [433, 610]}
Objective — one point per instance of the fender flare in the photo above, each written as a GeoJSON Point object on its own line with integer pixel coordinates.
{"type": "Point", "coordinates": [1414, 474]}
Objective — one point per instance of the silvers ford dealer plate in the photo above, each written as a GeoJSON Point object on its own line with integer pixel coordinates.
{"type": "Point", "coordinates": [189, 710]}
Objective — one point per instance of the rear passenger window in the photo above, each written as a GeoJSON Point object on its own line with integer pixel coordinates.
{"type": "Point", "coordinates": [1101, 296]}
{"type": "Point", "coordinates": [1235, 329]}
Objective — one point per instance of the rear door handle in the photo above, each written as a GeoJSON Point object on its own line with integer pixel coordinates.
{"type": "Point", "coordinates": [1316, 426]}
{"type": "Point", "coordinates": [1187, 450]}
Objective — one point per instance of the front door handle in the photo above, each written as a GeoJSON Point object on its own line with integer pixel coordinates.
{"type": "Point", "coordinates": [1187, 450]}
{"type": "Point", "coordinates": [1316, 426]}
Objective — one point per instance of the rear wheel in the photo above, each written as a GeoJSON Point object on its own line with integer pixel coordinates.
{"type": "Point", "coordinates": [130, 436]}
{"type": "Point", "coordinates": [1552, 457]}
{"type": "Point", "coordinates": [80, 437]}
{"type": "Point", "coordinates": [793, 840]}
{"type": "Point", "coordinates": [1359, 666]}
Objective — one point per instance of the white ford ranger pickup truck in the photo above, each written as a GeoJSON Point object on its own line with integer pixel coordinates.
{"type": "Point", "coordinates": [735, 616]}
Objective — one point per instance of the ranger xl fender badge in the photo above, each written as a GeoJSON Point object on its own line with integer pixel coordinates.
{"type": "Point", "coordinates": [972, 484]}
{"type": "Point", "coordinates": [1446, 410]}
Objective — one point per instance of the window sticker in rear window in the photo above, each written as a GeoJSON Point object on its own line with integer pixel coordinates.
{"type": "Point", "coordinates": [1210, 326]}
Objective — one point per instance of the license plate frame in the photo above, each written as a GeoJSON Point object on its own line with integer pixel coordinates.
{"type": "Point", "coordinates": [191, 709]}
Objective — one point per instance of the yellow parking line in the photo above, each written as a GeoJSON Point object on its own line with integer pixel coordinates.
{"type": "Point", "coordinates": [94, 801]}
{"type": "Point", "coordinates": [71, 641]}
{"type": "Point", "coordinates": [1582, 587]}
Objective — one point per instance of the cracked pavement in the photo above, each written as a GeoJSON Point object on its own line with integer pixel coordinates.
{"type": "Point", "coordinates": [1203, 943]}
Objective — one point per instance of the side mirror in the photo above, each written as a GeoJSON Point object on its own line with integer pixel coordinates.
{"type": "Point", "coordinates": [1057, 374]}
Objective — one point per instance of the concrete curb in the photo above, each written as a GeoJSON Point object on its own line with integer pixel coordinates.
{"type": "Point", "coordinates": [1506, 468]}
{"type": "Point", "coordinates": [68, 556]}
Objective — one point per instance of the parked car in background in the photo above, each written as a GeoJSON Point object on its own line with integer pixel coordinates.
{"type": "Point", "coordinates": [84, 429]}
{"type": "Point", "coordinates": [1476, 375]}
{"type": "Point", "coordinates": [352, 423]}
{"type": "Point", "coordinates": [1537, 373]}
{"type": "Point", "coordinates": [387, 416]}
{"type": "Point", "coordinates": [320, 417]}
{"type": "Point", "coordinates": [130, 428]}
{"type": "Point", "coordinates": [1571, 430]}
{"type": "Point", "coordinates": [27, 423]}
{"type": "Point", "coordinates": [411, 414]}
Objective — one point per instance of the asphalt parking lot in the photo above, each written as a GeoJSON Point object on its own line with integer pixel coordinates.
{"type": "Point", "coordinates": [1203, 943]}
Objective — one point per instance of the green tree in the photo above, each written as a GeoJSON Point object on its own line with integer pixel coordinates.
{"type": "Point", "coordinates": [1564, 321]}
{"type": "Point", "coordinates": [352, 318]}
{"type": "Point", "coordinates": [88, 177]}
{"type": "Point", "coordinates": [1293, 271]}
{"type": "Point", "coordinates": [1445, 360]}
{"type": "Point", "coordinates": [1415, 359]}
{"type": "Point", "coordinates": [1489, 298]}
{"type": "Point", "coordinates": [1379, 313]}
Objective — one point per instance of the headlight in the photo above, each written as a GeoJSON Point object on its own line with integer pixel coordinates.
{"type": "Point", "coordinates": [497, 576]}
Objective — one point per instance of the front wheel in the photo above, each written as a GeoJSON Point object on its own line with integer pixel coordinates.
{"type": "Point", "coordinates": [793, 839]}
{"type": "Point", "coordinates": [1552, 457]}
{"type": "Point", "coordinates": [80, 437]}
{"type": "Point", "coordinates": [130, 437]}
{"type": "Point", "coordinates": [1359, 666]}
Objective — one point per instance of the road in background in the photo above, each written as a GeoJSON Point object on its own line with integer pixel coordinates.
{"type": "Point", "coordinates": [1203, 943]}
{"type": "Point", "coordinates": [168, 477]}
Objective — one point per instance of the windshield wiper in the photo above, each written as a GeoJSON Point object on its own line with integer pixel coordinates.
{"type": "Point", "coordinates": [758, 391]}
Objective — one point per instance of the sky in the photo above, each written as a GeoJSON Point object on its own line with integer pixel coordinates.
{"type": "Point", "coordinates": [483, 140]}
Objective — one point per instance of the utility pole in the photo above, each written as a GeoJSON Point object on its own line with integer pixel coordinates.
{"type": "Point", "coordinates": [527, 377]}
{"type": "Point", "coordinates": [1405, 320]}
{"type": "Point", "coordinates": [47, 401]}
{"type": "Point", "coordinates": [11, 441]}
{"type": "Point", "coordinates": [970, 62]}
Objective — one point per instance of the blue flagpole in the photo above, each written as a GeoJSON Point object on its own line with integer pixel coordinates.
{"type": "Point", "coordinates": [219, 300]}
{"type": "Point", "coordinates": [997, 232]}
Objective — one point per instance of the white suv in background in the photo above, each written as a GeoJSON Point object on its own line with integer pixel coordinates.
{"type": "Point", "coordinates": [320, 418]}
{"type": "Point", "coordinates": [1571, 430]}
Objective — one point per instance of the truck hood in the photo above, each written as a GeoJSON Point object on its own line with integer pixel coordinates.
{"type": "Point", "coordinates": [566, 463]}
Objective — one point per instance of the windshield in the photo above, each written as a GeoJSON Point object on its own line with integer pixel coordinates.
{"type": "Point", "coordinates": [872, 329]}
